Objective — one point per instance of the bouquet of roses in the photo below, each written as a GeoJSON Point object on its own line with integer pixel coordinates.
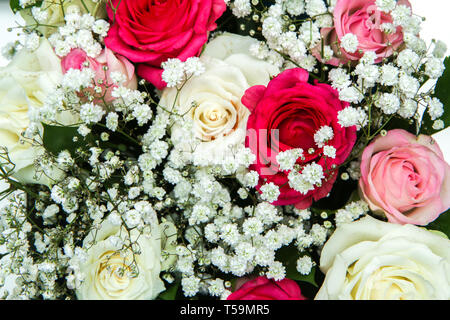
{"type": "Point", "coordinates": [220, 149]}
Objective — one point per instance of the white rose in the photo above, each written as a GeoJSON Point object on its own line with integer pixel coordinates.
{"type": "Point", "coordinates": [373, 260]}
{"type": "Point", "coordinates": [57, 9]}
{"type": "Point", "coordinates": [24, 85]}
{"type": "Point", "coordinates": [219, 118]}
{"type": "Point", "coordinates": [108, 272]}
{"type": "Point", "coordinates": [235, 50]}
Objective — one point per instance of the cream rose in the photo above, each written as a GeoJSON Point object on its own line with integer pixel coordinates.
{"type": "Point", "coordinates": [213, 100]}
{"type": "Point", "coordinates": [24, 85]}
{"type": "Point", "coordinates": [374, 260]}
{"type": "Point", "coordinates": [114, 274]}
{"type": "Point", "coordinates": [55, 11]}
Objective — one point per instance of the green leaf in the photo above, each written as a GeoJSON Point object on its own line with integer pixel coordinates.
{"type": "Point", "coordinates": [442, 92]}
{"type": "Point", "coordinates": [15, 5]}
{"type": "Point", "coordinates": [57, 139]}
{"type": "Point", "coordinates": [355, 196]}
{"type": "Point", "coordinates": [171, 293]}
{"type": "Point", "coordinates": [289, 256]}
{"type": "Point", "coordinates": [441, 224]}
{"type": "Point", "coordinates": [233, 283]}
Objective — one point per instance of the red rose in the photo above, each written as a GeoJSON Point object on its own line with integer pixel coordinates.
{"type": "Point", "coordinates": [149, 32]}
{"type": "Point", "coordinates": [262, 288]}
{"type": "Point", "coordinates": [296, 110]}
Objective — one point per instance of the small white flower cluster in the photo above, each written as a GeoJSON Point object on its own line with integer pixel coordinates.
{"type": "Point", "coordinates": [350, 43]}
{"type": "Point", "coordinates": [80, 31]}
{"type": "Point", "coordinates": [310, 177]}
{"type": "Point", "coordinates": [306, 177]}
{"type": "Point", "coordinates": [270, 192]}
{"type": "Point", "coordinates": [400, 77]}
{"type": "Point", "coordinates": [75, 80]}
{"type": "Point", "coordinates": [132, 104]}
{"type": "Point", "coordinates": [176, 72]}
{"type": "Point", "coordinates": [39, 15]}
{"type": "Point", "coordinates": [31, 41]}
{"type": "Point", "coordinates": [351, 212]}
{"type": "Point", "coordinates": [15, 230]}
{"type": "Point", "coordinates": [304, 265]}
{"type": "Point", "coordinates": [435, 108]}
{"type": "Point", "coordinates": [241, 8]}
{"type": "Point", "coordinates": [25, 275]}
{"type": "Point", "coordinates": [245, 240]}
{"type": "Point", "coordinates": [285, 38]}
{"type": "Point", "coordinates": [323, 135]}
{"type": "Point", "coordinates": [351, 116]}
{"type": "Point", "coordinates": [287, 159]}
{"type": "Point", "coordinates": [91, 113]}
{"type": "Point", "coordinates": [386, 5]}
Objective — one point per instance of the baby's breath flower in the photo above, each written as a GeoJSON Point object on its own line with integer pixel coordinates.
{"type": "Point", "coordinates": [173, 73]}
{"type": "Point", "coordinates": [386, 5]}
{"type": "Point", "coordinates": [324, 134]}
{"type": "Point", "coordinates": [435, 108]}
{"type": "Point", "coordinates": [269, 192]}
{"type": "Point", "coordinates": [349, 43]}
{"type": "Point", "coordinates": [276, 271]}
{"type": "Point", "coordinates": [304, 265]}
{"type": "Point", "coordinates": [91, 113]}
{"type": "Point", "coordinates": [329, 151]}
{"type": "Point", "coordinates": [388, 103]}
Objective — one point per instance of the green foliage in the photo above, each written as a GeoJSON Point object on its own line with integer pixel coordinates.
{"type": "Point", "coordinates": [289, 255]}
{"type": "Point", "coordinates": [442, 92]}
{"type": "Point", "coordinates": [57, 139]}
{"type": "Point", "coordinates": [170, 293]}
{"type": "Point", "coordinates": [441, 224]}
{"type": "Point", "coordinates": [15, 6]}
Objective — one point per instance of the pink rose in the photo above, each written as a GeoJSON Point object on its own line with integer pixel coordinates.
{"type": "Point", "coordinates": [262, 288]}
{"type": "Point", "coordinates": [115, 63]}
{"type": "Point", "coordinates": [149, 32]}
{"type": "Point", "coordinates": [296, 110]}
{"type": "Point", "coordinates": [363, 19]}
{"type": "Point", "coordinates": [406, 178]}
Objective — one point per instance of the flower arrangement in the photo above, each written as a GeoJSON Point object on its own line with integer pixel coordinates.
{"type": "Point", "coordinates": [223, 149]}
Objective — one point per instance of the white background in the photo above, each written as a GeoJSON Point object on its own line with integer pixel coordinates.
{"type": "Point", "coordinates": [437, 25]}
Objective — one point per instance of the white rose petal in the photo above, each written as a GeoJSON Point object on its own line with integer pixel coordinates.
{"type": "Point", "coordinates": [371, 259]}
{"type": "Point", "coordinates": [25, 84]}
{"type": "Point", "coordinates": [103, 279]}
